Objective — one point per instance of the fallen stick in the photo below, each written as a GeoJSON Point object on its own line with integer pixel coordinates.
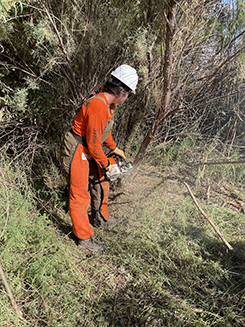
{"type": "Point", "coordinates": [225, 162]}
{"type": "Point", "coordinates": [11, 297]}
{"type": "Point", "coordinates": [234, 194]}
{"type": "Point", "coordinates": [209, 220]}
{"type": "Point", "coordinates": [7, 209]}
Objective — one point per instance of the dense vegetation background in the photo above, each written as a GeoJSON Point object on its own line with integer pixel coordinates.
{"type": "Point", "coordinates": [188, 110]}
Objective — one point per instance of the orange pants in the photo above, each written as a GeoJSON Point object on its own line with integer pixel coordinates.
{"type": "Point", "coordinates": [79, 197]}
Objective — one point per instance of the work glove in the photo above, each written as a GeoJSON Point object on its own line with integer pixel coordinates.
{"type": "Point", "coordinates": [109, 168]}
{"type": "Point", "coordinates": [119, 153]}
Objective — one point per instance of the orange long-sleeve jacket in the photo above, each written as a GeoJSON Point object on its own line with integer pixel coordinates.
{"type": "Point", "coordinates": [90, 122]}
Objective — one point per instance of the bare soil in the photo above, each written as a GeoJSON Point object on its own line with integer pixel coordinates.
{"type": "Point", "coordinates": [148, 183]}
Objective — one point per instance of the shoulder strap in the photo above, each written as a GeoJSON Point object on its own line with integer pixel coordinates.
{"type": "Point", "coordinates": [104, 101]}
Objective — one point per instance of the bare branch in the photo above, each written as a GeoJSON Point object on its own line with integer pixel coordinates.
{"type": "Point", "coordinates": [7, 199]}
{"type": "Point", "coordinates": [10, 294]}
{"type": "Point", "coordinates": [209, 219]}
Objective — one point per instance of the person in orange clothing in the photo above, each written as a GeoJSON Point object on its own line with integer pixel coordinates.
{"type": "Point", "coordinates": [92, 128]}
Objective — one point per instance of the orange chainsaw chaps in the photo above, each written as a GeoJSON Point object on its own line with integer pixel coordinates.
{"type": "Point", "coordinates": [79, 197]}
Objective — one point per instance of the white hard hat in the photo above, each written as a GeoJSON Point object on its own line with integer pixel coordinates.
{"type": "Point", "coordinates": [127, 75]}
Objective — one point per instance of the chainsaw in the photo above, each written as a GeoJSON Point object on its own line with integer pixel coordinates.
{"type": "Point", "coordinates": [120, 168]}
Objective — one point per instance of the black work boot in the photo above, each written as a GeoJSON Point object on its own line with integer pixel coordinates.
{"type": "Point", "coordinates": [91, 244]}
{"type": "Point", "coordinates": [110, 224]}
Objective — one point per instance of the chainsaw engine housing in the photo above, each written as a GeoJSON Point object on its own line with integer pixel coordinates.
{"type": "Point", "coordinates": [120, 168]}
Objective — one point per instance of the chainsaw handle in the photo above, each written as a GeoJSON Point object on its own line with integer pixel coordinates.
{"type": "Point", "coordinates": [126, 161]}
{"type": "Point", "coordinates": [111, 153]}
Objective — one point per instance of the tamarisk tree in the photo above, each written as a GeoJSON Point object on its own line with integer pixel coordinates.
{"type": "Point", "coordinates": [196, 66]}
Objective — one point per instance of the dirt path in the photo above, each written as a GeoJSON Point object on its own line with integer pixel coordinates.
{"type": "Point", "coordinates": [141, 189]}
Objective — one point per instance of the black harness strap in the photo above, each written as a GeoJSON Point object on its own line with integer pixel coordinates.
{"type": "Point", "coordinates": [102, 196]}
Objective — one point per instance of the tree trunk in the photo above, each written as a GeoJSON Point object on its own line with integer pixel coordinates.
{"type": "Point", "coordinates": [167, 74]}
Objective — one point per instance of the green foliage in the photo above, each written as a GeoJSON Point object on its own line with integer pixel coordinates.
{"type": "Point", "coordinates": [19, 100]}
{"type": "Point", "coordinates": [7, 5]}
